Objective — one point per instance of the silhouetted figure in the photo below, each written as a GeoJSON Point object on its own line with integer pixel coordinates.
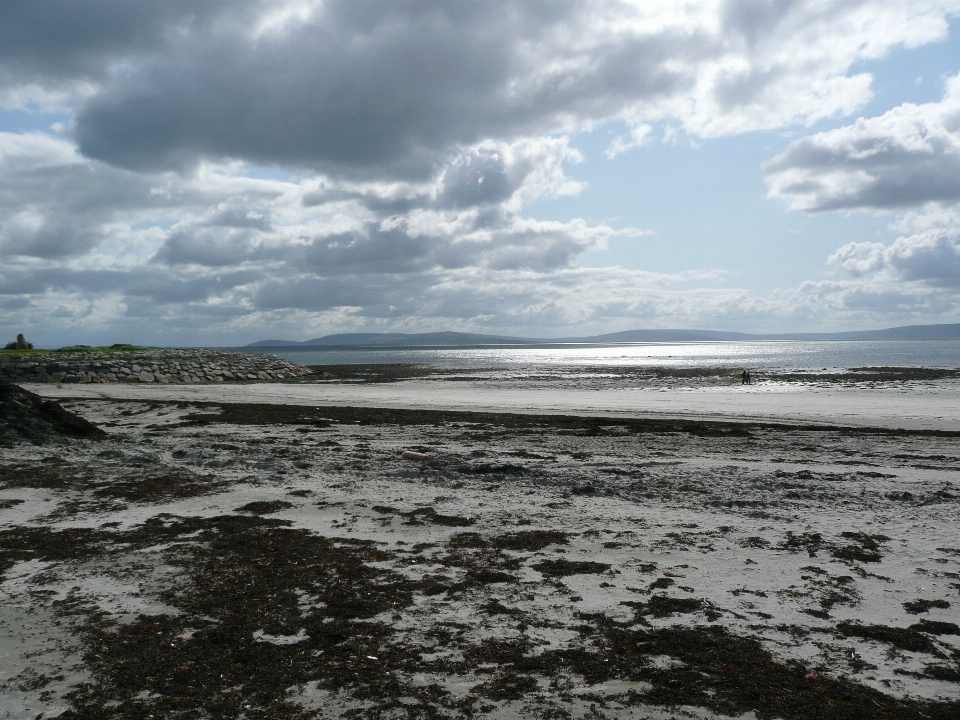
{"type": "Point", "coordinates": [743, 378]}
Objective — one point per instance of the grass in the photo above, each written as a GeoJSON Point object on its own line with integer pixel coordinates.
{"type": "Point", "coordinates": [116, 347]}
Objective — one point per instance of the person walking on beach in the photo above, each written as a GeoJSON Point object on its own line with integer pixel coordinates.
{"type": "Point", "coordinates": [743, 378]}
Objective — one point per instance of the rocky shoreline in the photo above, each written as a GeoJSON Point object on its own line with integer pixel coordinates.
{"type": "Point", "coordinates": [179, 367]}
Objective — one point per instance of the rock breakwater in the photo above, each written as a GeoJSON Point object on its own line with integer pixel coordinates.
{"type": "Point", "coordinates": [182, 367]}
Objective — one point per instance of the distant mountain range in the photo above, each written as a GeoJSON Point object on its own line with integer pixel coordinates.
{"type": "Point", "coordinates": [446, 339]}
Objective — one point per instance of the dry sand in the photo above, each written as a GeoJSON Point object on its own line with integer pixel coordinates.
{"type": "Point", "coordinates": [281, 557]}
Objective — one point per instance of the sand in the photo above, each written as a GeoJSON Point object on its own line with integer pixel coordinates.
{"type": "Point", "coordinates": [637, 553]}
{"type": "Point", "coordinates": [914, 406]}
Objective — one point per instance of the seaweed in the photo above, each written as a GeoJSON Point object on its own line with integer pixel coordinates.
{"type": "Point", "coordinates": [243, 579]}
{"type": "Point", "coordinates": [908, 638]}
{"type": "Point", "coordinates": [561, 567]}
{"type": "Point", "coordinates": [529, 540]}
{"type": "Point", "coordinates": [324, 416]}
{"type": "Point", "coordinates": [265, 507]}
{"type": "Point", "coordinates": [915, 607]}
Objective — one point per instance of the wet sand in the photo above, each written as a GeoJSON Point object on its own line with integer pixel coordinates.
{"type": "Point", "coordinates": [277, 559]}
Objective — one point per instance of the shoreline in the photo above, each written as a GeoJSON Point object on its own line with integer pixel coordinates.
{"type": "Point", "coordinates": [927, 407]}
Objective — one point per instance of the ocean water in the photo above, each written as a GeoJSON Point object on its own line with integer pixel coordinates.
{"type": "Point", "coordinates": [772, 355]}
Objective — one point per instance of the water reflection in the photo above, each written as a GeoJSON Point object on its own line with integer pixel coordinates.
{"type": "Point", "coordinates": [806, 355]}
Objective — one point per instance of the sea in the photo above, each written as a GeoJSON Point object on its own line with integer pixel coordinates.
{"type": "Point", "coordinates": [785, 355]}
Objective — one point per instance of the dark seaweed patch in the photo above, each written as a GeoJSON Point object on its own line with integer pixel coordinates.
{"type": "Point", "coordinates": [265, 507]}
{"type": "Point", "coordinates": [468, 540]}
{"type": "Point", "coordinates": [915, 607]}
{"type": "Point", "coordinates": [29, 543]}
{"type": "Point", "coordinates": [492, 469]}
{"type": "Point", "coordinates": [257, 414]}
{"type": "Point", "coordinates": [142, 486]}
{"type": "Point", "coordinates": [561, 567]}
{"type": "Point", "coordinates": [866, 548]}
{"type": "Point", "coordinates": [660, 606]}
{"type": "Point", "coordinates": [425, 515]}
{"type": "Point", "coordinates": [908, 638]}
{"type": "Point", "coordinates": [508, 686]}
{"type": "Point", "coordinates": [941, 672]}
{"type": "Point", "coordinates": [660, 584]}
{"type": "Point", "coordinates": [154, 487]}
{"type": "Point", "coordinates": [811, 542]}
{"type": "Point", "coordinates": [529, 540]}
{"type": "Point", "coordinates": [725, 673]}
{"type": "Point", "coordinates": [936, 627]}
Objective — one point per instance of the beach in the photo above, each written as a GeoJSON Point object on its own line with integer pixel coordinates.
{"type": "Point", "coordinates": [689, 548]}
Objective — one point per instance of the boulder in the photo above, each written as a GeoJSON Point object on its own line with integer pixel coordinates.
{"type": "Point", "coordinates": [28, 416]}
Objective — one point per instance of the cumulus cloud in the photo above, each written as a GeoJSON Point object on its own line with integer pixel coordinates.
{"type": "Point", "coordinates": [906, 157]}
{"type": "Point", "coordinates": [377, 87]}
{"type": "Point", "coordinates": [908, 161]}
{"type": "Point", "coordinates": [932, 257]}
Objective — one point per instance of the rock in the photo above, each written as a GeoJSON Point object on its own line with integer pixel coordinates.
{"type": "Point", "coordinates": [165, 366]}
{"type": "Point", "coordinates": [28, 416]}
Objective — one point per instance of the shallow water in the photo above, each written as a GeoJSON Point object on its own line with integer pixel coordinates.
{"type": "Point", "coordinates": [773, 355]}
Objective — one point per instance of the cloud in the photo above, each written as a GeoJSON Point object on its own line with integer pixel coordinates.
{"type": "Point", "coordinates": [932, 257]}
{"type": "Point", "coordinates": [232, 166]}
{"type": "Point", "coordinates": [379, 89]}
{"type": "Point", "coordinates": [860, 258]}
{"type": "Point", "coordinates": [216, 243]}
{"type": "Point", "coordinates": [906, 157]}
{"type": "Point", "coordinates": [906, 160]}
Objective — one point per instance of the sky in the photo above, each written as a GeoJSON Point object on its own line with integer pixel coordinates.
{"type": "Point", "coordinates": [216, 172]}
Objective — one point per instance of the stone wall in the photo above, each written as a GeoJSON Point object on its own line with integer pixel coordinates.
{"type": "Point", "coordinates": [184, 367]}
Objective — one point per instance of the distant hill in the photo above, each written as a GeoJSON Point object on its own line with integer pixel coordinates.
{"type": "Point", "coordinates": [445, 339]}
{"type": "Point", "coordinates": [400, 340]}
